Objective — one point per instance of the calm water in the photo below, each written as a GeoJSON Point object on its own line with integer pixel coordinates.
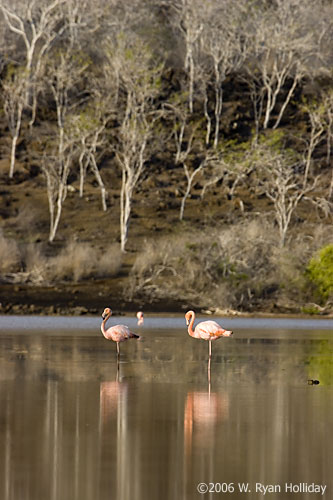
{"type": "Point", "coordinates": [73, 427]}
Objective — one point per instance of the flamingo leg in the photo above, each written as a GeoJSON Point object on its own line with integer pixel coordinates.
{"type": "Point", "coordinates": [210, 349]}
{"type": "Point", "coordinates": [118, 350]}
{"type": "Point", "coordinates": [208, 372]}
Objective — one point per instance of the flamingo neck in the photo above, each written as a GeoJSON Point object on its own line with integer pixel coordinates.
{"type": "Point", "coordinates": [190, 326]}
{"type": "Point", "coordinates": [103, 324]}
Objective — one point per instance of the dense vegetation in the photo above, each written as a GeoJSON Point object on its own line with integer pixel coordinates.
{"type": "Point", "coordinates": [173, 150]}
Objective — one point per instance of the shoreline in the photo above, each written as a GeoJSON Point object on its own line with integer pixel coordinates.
{"type": "Point", "coordinates": [79, 300]}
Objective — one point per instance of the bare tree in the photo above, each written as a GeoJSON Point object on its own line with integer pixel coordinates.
{"type": "Point", "coordinates": [231, 164]}
{"type": "Point", "coordinates": [83, 21]}
{"type": "Point", "coordinates": [222, 41]}
{"type": "Point", "coordinates": [317, 116]}
{"type": "Point", "coordinates": [283, 51]}
{"type": "Point", "coordinates": [329, 110]}
{"type": "Point", "coordinates": [14, 90]}
{"type": "Point", "coordinates": [187, 18]}
{"type": "Point", "coordinates": [139, 81]}
{"type": "Point", "coordinates": [285, 193]}
{"type": "Point", "coordinates": [56, 174]}
{"type": "Point", "coordinates": [279, 181]}
{"type": "Point", "coordinates": [177, 111]}
{"type": "Point", "coordinates": [189, 178]}
{"type": "Point", "coordinates": [89, 128]}
{"type": "Point", "coordinates": [63, 73]}
{"type": "Point", "coordinates": [326, 108]}
{"type": "Point", "coordinates": [188, 141]}
{"type": "Point", "coordinates": [36, 23]}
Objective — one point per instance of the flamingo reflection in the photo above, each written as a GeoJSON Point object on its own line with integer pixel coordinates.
{"type": "Point", "coordinates": [113, 421]}
{"type": "Point", "coordinates": [110, 395]}
{"type": "Point", "coordinates": [203, 410]}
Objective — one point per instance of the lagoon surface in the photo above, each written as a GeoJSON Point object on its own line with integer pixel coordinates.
{"type": "Point", "coordinates": [75, 425]}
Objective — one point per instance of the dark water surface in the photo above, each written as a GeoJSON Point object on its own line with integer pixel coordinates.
{"type": "Point", "coordinates": [74, 428]}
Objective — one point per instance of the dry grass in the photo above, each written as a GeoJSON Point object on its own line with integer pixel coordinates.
{"type": "Point", "coordinates": [173, 268]}
{"type": "Point", "coordinates": [34, 263]}
{"type": "Point", "coordinates": [74, 262]}
{"type": "Point", "coordinates": [109, 261]}
{"type": "Point", "coordinates": [79, 260]}
{"type": "Point", "coordinates": [235, 266]}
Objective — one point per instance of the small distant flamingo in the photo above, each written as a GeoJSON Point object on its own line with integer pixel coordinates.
{"type": "Point", "coordinates": [139, 315]}
{"type": "Point", "coordinates": [117, 333]}
{"type": "Point", "coordinates": [206, 330]}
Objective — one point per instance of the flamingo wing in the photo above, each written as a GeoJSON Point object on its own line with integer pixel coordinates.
{"type": "Point", "coordinates": [118, 333]}
{"type": "Point", "coordinates": [209, 330]}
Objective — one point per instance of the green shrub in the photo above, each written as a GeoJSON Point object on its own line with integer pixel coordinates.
{"type": "Point", "coordinates": [320, 272]}
{"type": "Point", "coordinates": [311, 309]}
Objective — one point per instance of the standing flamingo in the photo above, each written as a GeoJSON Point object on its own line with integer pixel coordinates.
{"type": "Point", "coordinates": [117, 333]}
{"type": "Point", "coordinates": [206, 330]}
{"type": "Point", "coordinates": [139, 315]}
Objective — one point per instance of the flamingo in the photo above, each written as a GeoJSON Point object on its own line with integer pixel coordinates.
{"type": "Point", "coordinates": [117, 333]}
{"type": "Point", "coordinates": [206, 330]}
{"type": "Point", "coordinates": [139, 315]}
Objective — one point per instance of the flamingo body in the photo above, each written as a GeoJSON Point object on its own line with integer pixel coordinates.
{"type": "Point", "coordinates": [117, 333]}
{"type": "Point", "coordinates": [139, 315]}
{"type": "Point", "coordinates": [210, 330]}
{"type": "Point", "coordinates": [205, 330]}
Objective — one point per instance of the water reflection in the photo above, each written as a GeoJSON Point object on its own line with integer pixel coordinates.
{"type": "Point", "coordinates": [110, 394]}
{"type": "Point", "coordinates": [203, 411]}
{"type": "Point", "coordinates": [320, 362]}
{"type": "Point", "coordinates": [73, 427]}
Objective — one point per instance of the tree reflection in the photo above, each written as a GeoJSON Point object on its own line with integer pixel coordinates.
{"type": "Point", "coordinates": [320, 363]}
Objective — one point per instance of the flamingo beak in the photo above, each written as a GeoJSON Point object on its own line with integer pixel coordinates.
{"type": "Point", "coordinates": [228, 333]}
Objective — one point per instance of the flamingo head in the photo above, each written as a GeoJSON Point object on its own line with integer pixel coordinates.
{"type": "Point", "coordinates": [188, 317]}
{"type": "Point", "coordinates": [227, 333]}
{"type": "Point", "coordinates": [106, 313]}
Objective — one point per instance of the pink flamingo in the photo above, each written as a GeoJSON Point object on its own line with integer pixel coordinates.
{"type": "Point", "coordinates": [139, 315]}
{"type": "Point", "coordinates": [206, 330]}
{"type": "Point", "coordinates": [117, 333]}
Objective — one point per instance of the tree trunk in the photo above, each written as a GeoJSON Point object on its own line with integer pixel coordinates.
{"type": "Point", "coordinates": [14, 141]}
{"type": "Point", "coordinates": [100, 181]}
{"type": "Point", "coordinates": [125, 211]}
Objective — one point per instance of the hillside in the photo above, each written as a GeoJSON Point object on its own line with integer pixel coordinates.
{"type": "Point", "coordinates": [169, 156]}
{"type": "Point", "coordinates": [155, 215]}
